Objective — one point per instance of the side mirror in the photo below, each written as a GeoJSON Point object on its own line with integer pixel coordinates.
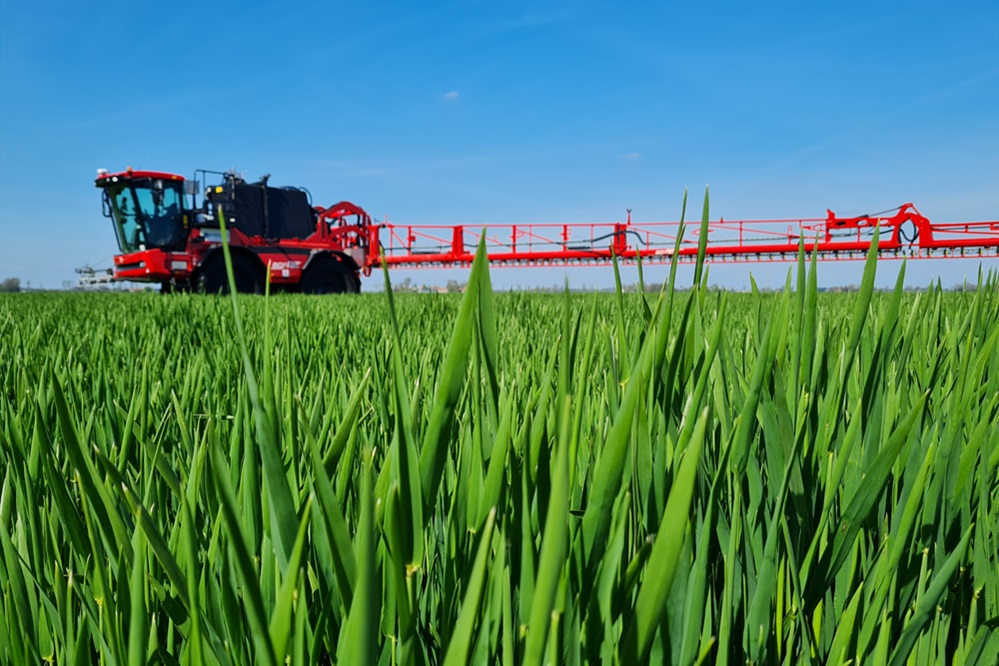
{"type": "Point", "coordinates": [158, 193]}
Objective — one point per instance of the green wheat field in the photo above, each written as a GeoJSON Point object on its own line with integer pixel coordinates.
{"type": "Point", "coordinates": [680, 477]}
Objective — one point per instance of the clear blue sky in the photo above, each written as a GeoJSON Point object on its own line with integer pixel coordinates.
{"type": "Point", "coordinates": [476, 112]}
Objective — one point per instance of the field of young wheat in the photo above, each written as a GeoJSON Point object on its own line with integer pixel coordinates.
{"type": "Point", "coordinates": [677, 478]}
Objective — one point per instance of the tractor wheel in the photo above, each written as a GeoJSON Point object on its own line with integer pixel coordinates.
{"type": "Point", "coordinates": [329, 276]}
{"type": "Point", "coordinates": [212, 277]}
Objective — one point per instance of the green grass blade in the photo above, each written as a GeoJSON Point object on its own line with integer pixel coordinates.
{"type": "Point", "coordinates": [138, 627]}
{"type": "Point", "coordinates": [245, 570]}
{"type": "Point", "coordinates": [863, 502]}
{"type": "Point", "coordinates": [461, 638]}
{"type": "Point", "coordinates": [450, 384]}
{"type": "Point", "coordinates": [844, 632]}
{"type": "Point", "coordinates": [662, 563]}
{"type": "Point", "coordinates": [281, 616]}
{"type": "Point", "coordinates": [927, 605]}
{"type": "Point", "coordinates": [553, 549]}
{"type": "Point", "coordinates": [361, 646]}
{"type": "Point", "coordinates": [702, 241]}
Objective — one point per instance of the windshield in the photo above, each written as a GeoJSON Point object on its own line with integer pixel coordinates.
{"type": "Point", "coordinates": [147, 213]}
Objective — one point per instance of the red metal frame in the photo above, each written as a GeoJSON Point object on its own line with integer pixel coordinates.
{"type": "Point", "coordinates": [904, 234]}
{"type": "Point", "coordinates": [285, 258]}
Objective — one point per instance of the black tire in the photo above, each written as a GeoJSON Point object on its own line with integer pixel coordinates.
{"type": "Point", "coordinates": [329, 276]}
{"type": "Point", "coordinates": [212, 277]}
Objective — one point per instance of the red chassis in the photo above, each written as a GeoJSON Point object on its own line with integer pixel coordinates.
{"type": "Point", "coordinates": [286, 258]}
{"type": "Point", "coordinates": [167, 238]}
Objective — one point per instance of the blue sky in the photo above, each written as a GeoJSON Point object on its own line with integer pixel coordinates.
{"type": "Point", "coordinates": [477, 112]}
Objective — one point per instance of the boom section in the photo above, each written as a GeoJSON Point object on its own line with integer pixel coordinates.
{"type": "Point", "coordinates": [904, 233]}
